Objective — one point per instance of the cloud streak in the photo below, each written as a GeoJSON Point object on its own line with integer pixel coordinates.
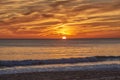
{"type": "Point", "coordinates": [55, 18]}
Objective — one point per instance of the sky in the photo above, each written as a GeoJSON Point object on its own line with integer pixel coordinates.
{"type": "Point", "coordinates": [57, 18]}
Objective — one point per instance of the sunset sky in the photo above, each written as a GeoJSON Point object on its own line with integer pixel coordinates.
{"type": "Point", "coordinates": [57, 18]}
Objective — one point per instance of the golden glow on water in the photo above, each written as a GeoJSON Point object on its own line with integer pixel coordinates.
{"type": "Point", "coordinates": [23, 53]}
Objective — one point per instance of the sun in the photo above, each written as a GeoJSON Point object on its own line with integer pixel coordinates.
{"type": "Point", "coordinates": [64, 37]}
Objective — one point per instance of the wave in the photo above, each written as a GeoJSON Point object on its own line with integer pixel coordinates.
{"type": "Point", "coordinates": [7, 63]}
{"type": "Point", "coordinates": [112, 66]}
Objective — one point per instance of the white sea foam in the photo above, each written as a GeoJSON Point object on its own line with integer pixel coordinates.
{"type": "Point", "coordinates": [115, 65]}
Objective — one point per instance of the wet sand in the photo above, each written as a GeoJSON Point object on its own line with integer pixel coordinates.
{"type": "Point", "coordinates": [65, 75]}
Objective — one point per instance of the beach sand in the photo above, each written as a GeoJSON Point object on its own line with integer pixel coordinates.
{"type": "Point", "coordinates": [65, 75]}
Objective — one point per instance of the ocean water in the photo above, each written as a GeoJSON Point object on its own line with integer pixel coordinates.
{"type": "Point", "coordinates": [106, 65]}
{"type": "Point", "coordinates": [19, 56]}
{"type": "Point", "coordinates": [57, 49]}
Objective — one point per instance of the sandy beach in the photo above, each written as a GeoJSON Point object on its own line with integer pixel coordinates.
{"type": "Point", "coordinates": [65, 75]}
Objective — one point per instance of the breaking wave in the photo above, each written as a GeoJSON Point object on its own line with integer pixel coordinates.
{"type": "Point", "coordinates": [5, 63]}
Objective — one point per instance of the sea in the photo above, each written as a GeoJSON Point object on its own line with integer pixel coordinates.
{"type": "Point", "coordinates": [31, 55]}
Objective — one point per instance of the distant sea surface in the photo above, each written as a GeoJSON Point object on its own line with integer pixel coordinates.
{"type": "Point", "coordinates": [24, 56]}
{"type": "Point", "coordinates": [57, 49]}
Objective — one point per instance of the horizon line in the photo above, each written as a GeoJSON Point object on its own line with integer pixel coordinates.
{"type": "Point", "coordinates": [50, 38]}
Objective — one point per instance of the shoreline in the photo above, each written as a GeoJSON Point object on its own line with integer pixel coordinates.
{"type": "Point", "coordinates": [114, 66]}
{"type": "Point", "coordinates": [65, 75]}
{"type": "Point", "coordinates": [12, 63]}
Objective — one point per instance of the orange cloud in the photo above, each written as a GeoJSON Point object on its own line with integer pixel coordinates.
{"type": "Point", "coordinates": [54, 18]}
